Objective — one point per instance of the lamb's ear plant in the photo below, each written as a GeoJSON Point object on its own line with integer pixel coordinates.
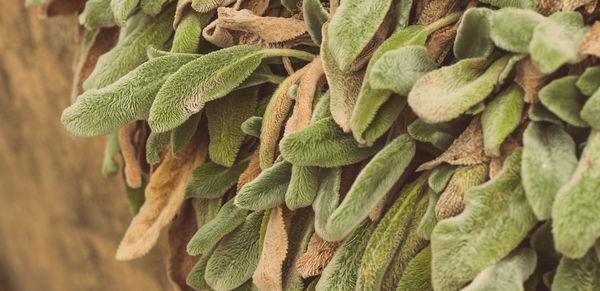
{"type": "Point", "coordinates": [342, 145]}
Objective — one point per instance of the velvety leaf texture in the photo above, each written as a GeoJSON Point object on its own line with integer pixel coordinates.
{"type": "Point", "coordinates": [563, 98]}
{"type": "Point", "coordinates": [314, 16]}
{"type": "Point", "coordinates": [500, 117]}
{"type": "Point", "coordinates": [267, 190]}
{"type": "Point", "coordinates": [211, 180]}
{"type": "Point", "coordinates": [589, 81]}
{"type": "Point", "coordinates": [327, 200]}
{"type": "Point", "coordinates": [473, 36]}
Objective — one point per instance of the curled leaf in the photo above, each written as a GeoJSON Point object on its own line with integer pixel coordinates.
{"type": "Point", "coordinates": [591, 110]}
{"type": "Point", "coordinates": [302, 188]}
{"type": "Point", "coordinates": [318, 255]}
{"type": "Point", "coordinates": [128, 136]}
{"type": "Point", "coordinates": [501, 116]}
{"type": "Point", "coordinates": [111, 148]}
{"type": "Point", "coordinates": [530, 79]}
{"type": "Point", "coordinates": [452, 201]}
{"type": "Point", "coordinates": [268, 273]}
{"type": "Point", "coordinates": [122, 8]}
{"type": "Point", "coordinates": [182, 134]}
{"type": "Point", "coordinates": [399, 69]}
{"type": "Point", "coordinates": [589, 81]}
{"type": "Point", "coordinates": [314, 16]}
{"type": "Point", "coordinates": [473, 35]}
{"type": "Point", "coordinates": [270, 29]}
{"type": "Point", "coordinates": [563, 98]}
{"type": "Point", "coordinates": [512, 28]}
{"type": "Point", "coordinates": [252, 125]}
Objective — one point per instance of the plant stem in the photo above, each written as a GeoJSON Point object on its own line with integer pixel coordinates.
{"type": "Point", "coordinates": [446, 20]}
{"type": "Point", "coordinates": [282, 52]}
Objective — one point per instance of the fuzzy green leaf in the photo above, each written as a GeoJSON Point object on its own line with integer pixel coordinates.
{"type": "Point", "coordinates": [507, 274]}
{"type": "Point", "coordinates": [500, 117]}
{"type": "Point", "coordinates": [110, 167]}
{"type": "Point", "coordinates": [183, 133]}
{"type": "Point", "coordinates": [267, 190]}
{"type": "Point", "coordinates": [369, 99]}
{"type": "Point", "coordinates": [549, 161]}
{"type": "Point", "coordinates": [100, 111]}
{"type": "Point", "coordinates": [371, 184]}
{"type": "Point", "coordinates": [444, 94]}
{"type": "Point", "coordinates": [97, 13]}
{"type": "Point", "coordinates": [591, 110]}
{"type": "Point", "coordinates": [303, 187]}
{"type": "Point", "coordinates": [525, 4]}
{"type": "Point", "coordinates": [512, 29]}
{"type": "Point", "coordinates": [430, 133]}
{"type": "Point", "coordinates": [252, 125]}
{"type": "Point", "coordinates": [130, 52]}
{"type": "Point", "coordinates": [352, 27]}
{"type": "Point", "coordinates": [135, 196]}
{"type": "Point", "coordinates": [154, 145]}
{"type": "Point", "coordinates": [589, 81]}
{"type": "Point", "coordinates": [228, 218]}
{"type": "Point", "coordinates": [537, 112]}
{"type": "Point", "coordinates": [189, 31]}
{"type": "Point", "coordinates": [417, 275]}
{"type": "Point", "coordinates": [383, 119]}
{"type": "Point", "coordinates": [195, 278]}
{"type": "Point", "coordinates": [388, 236]}
{"type": "Point", "coordinates": [208, 78]}
{"type": "Point", "coordinates": [211, 180]}
{"type": "Point", "coordinates": [152, 7]}
{"type": "Point", "coordinates": [563, 98]}
{"type": "Point", "coordinates": [236, 256]}
{"type": "Point", "coordinates": [328, 195]}
{"type": "Point", "coordinates": [429, 219]}
{"type": "Point", "coordinates": [578, 274]}
{"type": "Point", "coordinates": [399, 69]}
{"type": "Point", "coordinates": [496, 218]}
{"type": "Point", "coordinates": [342, 271]}
{"type": "Point", "coordinates": [314, 17]}
{"type": "Point", "coordinates": [440, 176]}
{"type": "Point", "coordinates": [473, 35]}
{"type": "Point", "coordinates": [122, 8]}
{"type": "Point", "coordinates": [324, 144]}
{"type": "Point", "coordinates": [576, 224]}
{"type": "Point", "coordinates": [225, 118]}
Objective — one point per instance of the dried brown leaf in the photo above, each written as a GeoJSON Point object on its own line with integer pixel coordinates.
{"type": "Point", "coordinates": [60, 7]}
{"type": "Point", "coordinates": [270, 29]}
{"type": "Point", "coordinates": [219, 36]}
{"type": "Point", "coordinates": [258, 7]}
{"type": "Point", "coordinates": [378, 38]}
{"type": "Point", "coordinates": [570, 5]}
{"type": "Point", "coordinates": [509, 145]}
{"type": "Point", "coordinates": [164, 196]}
{"type": "Point", "coordinates": [530, 79]}
{"type": "Point", "coordinates": [179, 9]}
{"type": "Point", "coordinates": [591, 6]}
{"type": "Point", "coordinates": [129, 149]}
{"type": "Point", "coordinates": [318, 254]}
{"type": "Point", "coordinates": [433, 10]}
{"type": "Point", "coordinates": [309, 84]}
{"type": "Point", "coordinates": [181, 230]}
{"type": "Point", "coordinates": [268, 273]}
{"type": "Point", "coordinates": [548, 7]}
{"type": "Point", "coordinates": [591, 41]}
{"type": "Point", "coordinates": [251, 172]}
{"type": "Point", "coordinates": [440, 43]}
{"type": "Point", "coordinates": [467, 149]}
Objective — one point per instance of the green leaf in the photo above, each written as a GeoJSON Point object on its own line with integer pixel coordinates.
{"type": "Point", "coordinates": [473, 35]}
{"type": "Point", "coordinates": [589, 81]}
{"type": "Point", "coordinates": [195, 278]}
{"type": "Point", "coordinates": [429, 220]}
{"type": "Point", "coordinates": [130, 52]}
{"type": "Point", "coordinates": [352, 27]}
{"type": "Point", "coordinates": [211, 180]}
{"type": "Point", "coordinates": [384, 119]}
{"type": "Point", "coordinates": [399, 69]}
{"type": "Point", "coordinates": [371, 184]}
{"type": "Point", "coordinates": [228, 218]}
{"type": "Point", "coordinates": [369, 99]}
{"type": "Point", "coordinates": [512, 29]}
{"type": "Point", "coordinates": [440, 176]}
{"type": "Point", "coordinates": [563, 98]}
{"type": "Point", "coordinates": [122, 8]}
{"type": "Point", "coordinates": [388, 236]}
{"type": "Point", "coordinates": [417, 275]}
{"type": "Point", "coordinates": [324, 144]}
{"type": "Point", "coordinates": [154, 145]}
{"type": "Point", "coordinates": [578, 274]}
{"type": "Point", "coordinates": [501, 116]}
{"type": "Point", "coordinates": [430, 133]}
{"type": "Point", "coordinates": [507, 274]}
{"type": "Point", "coordinates": [576, 224]}
{"type": "Point", "coordinates": [444, 94]}
{"type": "Point", "coordinates": [267, 190]}
{"type": "Point", "coordinates": [225, 118]}
{"type": "Point", "coordinates": [183, 133]}
{"type": "Point", "coordinates": [236, 256]}
{"type": "Point", "coordinates": [328, 196]}
{"type": "Point", "coordinates": [402, 13]}
{"type": "Point", "coordinates": [303, 187]}
{"type": "Point", "coordinates": [100, 111]}
{"type": "Point", "coordinates": [189, 31]}
{"type": "Point", "coordinates": [252, 125]}
{"type": "Point", "coordinates": [496, 218]}
{"type": "Point", "coordinates": [549, 161]}
{"type": "Point", "coordinates": [537, 112]}
{"type": "Point", "coordinates": [314, 17]}
{"type": "Point", "coordinates": [299, 234]}
{"type": "Point", "coordinates": [206, 210]}
{"type": "Point", "coordinates": [208, 78]}
{"type": "Point", "coordinates": [135, 196]}
{"type": "Point", "coordinates": [342, 271]}
{"type": "Point", "coordinates": [451, 201]}
{"type": "Point", "coordinates": [152, 7]}
{"type": "Point", "coordinates": [591, 110]}
{"type": "Point", "coordinates": [556, 41]}
{"type": "Point", "coordinates": [110, 167]}
{"type": "Point", "coordinates": [97, 13]}
{"type": "Point", "coordinates": [524, 4]}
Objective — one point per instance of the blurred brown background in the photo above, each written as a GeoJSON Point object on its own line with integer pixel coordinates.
{"type": "Point", "coordinates": [60, 220]}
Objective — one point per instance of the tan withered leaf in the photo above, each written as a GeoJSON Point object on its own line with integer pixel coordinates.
{"type": "Point", "coordinates": [268, 273]}
{"type": "Point", "coordinates": [181, 230]}
{"type": "Point", "coordinates": [309, 84]}
{"type": "Point", "coordinates": [60, 7]}
{"type": "Point", "coordinates": [270, 29]}
{"type": "Point", "coordinates": [251, 172]}
{"type": "Point", "coordinates": [548, 7]}
{"type": "Point", "coordinates": [129, 138]}
{"type": "Point", "coordinates": [590, 7]}
{"type": "Point", "coordinates": [275, 115]}
{"type": "Point", "coordinates": [570, 5]}
{"type": "Point", "coordinates": [467, 149]}
{"type": "Point", "coordinates": [164, 196]}
{"type": "Point", "coordinates": [530, 79]}
{"type": "Point", "coordinates": [181, 6]}
{"type": "Point", "coordinates": [258, 7]}
{"type": "Point", "coordinates": [591, 42]}
{"type": "Point", "coordinates": [104, 39]}
{"type": "Point", "coordinates": [219, 36]}
{"type": "Point", "coordinates": [435, 9]}
{"type": "Point", "coordinates": [440, 43]}
{"type": "Point", "coordinates": [380, 35]}
{"type": "Point", "coordinates": [318, 254]}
